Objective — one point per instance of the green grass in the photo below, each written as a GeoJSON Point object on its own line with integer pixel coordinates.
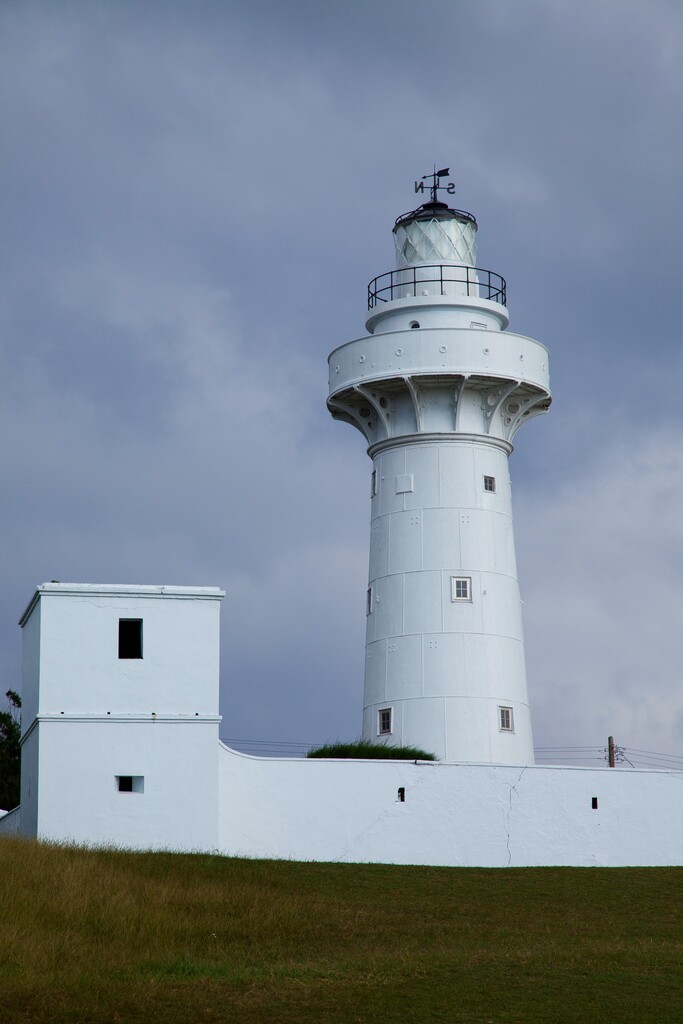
{"type": "Point", "coordinates": [363, 749]}
{"type": "Point", "coordinates": [107, 936]}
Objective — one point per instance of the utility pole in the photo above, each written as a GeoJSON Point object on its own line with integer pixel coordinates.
{"type": "Point", "coordinates": [610, 751]}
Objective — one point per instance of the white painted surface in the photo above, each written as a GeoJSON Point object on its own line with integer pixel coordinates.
{"type": "Point", "coordinates": [439, 390]}
{"type": "Point", "coordinates": [199, 795]}
{"type": "Point", "coordinates": [90, 716]}
{"type": "Point", "coordinates": [445, 667]}
{"type": "Point", "coordinates": [79, 800]}
{"type": "Point", "coordinates": [453, 814]}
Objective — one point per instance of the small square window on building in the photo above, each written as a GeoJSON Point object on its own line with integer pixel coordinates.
{"type": "Point", "coordinates": [490, 484]}
{"type": "Point", "coordinates": [130, 783]}
{"type": "Point", "coordinates": [130, 638]}
{"type": "Point", "coordinates": [505, 719]}
{"type": "Point", "coordinates": [461, 588]}
{"type": "Point", "coordinates": [384, 721]}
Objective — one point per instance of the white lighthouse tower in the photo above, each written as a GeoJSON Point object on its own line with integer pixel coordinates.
{"type": "Point", "coordinates": [439, 388]}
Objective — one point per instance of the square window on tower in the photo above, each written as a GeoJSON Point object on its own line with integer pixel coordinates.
{"type": "Point", "coordinates": [461, 588]}
{"type": "Point", "coordinates": [130, 638]}
{"type": "Point", "coordinates": [490, 484]}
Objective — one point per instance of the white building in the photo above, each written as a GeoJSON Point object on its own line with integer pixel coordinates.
{"type": "Point", "coordinates": [439, 389]}
{"type": "Point", "coordinates": [120, 683]}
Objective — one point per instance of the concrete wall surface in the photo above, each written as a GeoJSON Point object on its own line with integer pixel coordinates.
{"type": "Point", "coordinates": [10, 822]}
{"type": "Point", "coordinates": [176, 807]}
{"type": "Point", "coordinates": [464, 815]}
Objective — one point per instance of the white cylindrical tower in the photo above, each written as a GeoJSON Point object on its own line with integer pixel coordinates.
{"type": "Point", "coordinates": [439, 388]}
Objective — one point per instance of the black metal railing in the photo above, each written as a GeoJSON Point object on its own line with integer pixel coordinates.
{"type": "Point", "coordinates": [437, 279]}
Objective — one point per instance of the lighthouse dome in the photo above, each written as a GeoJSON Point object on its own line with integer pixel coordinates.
{"type": "Point", "coordinates": [435, 233]}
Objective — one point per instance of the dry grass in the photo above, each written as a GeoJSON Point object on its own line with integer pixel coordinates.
{"type": "Point", "coordinates": [95, 936]}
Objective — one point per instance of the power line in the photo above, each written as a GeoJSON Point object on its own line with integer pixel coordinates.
{"type": "Point", "coordinates": [561, 754]}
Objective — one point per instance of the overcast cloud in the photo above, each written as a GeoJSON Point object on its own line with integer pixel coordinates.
{"type": "Point", "coordinates": [194, 197]}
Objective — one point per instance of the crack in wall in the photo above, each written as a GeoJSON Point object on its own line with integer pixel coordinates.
{"type": "Point", "coordinates": [513, 789]}
{"type": "Point", "coordinates": [419, 781]}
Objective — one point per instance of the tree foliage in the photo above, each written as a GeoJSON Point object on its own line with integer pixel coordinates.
{"type": "Point", "coordinates": [10, 752]}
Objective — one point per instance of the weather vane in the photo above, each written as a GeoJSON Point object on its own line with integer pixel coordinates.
{"type": "Point", "coordinates": [435, 186]}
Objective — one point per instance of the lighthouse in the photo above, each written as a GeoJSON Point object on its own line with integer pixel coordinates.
{"type": "Point", "coordinates": [439, 387]}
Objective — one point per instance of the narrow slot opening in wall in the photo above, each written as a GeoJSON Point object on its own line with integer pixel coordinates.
{"type": "Point", "coordinates": [373, 483]}
{"type": "Point", "coordinates": [130, 638]}
{"type": "Point", "coordinates": [401, 794]}
{"type": "Point", "coordinates": [594, 803]}
{"type": "Point", "coordinates": [368, 602]}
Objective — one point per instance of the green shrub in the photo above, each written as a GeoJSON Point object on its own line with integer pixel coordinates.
{"type": "Point", "coordinates": [363, 749]}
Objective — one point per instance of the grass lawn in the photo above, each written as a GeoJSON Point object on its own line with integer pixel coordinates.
{"type": "Point", "coordinates": [107, 936]}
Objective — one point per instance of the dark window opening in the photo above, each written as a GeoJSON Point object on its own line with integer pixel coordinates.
{"type": "Point", "coordinates": [130, 638]}
{"type": "Point", "coordinates": [490, 484]}
{"type": "Point", "coordinates": [384, 724]}
{"type": "Point", "coordinates": [130, 783]}
{"type": "Point", "coordinates": [401, 794]}
{"type": "Point", "coordinates": [594, 803]}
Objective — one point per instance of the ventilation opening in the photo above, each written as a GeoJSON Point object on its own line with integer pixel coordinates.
{"type": "Point", "coordinates": [130, 638]}
{"type": "Point", "coordinates": [130, 783]}
{"type": "Point", "coordinates": [414, 324]}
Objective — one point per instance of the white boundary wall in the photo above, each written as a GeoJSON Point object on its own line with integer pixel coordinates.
{"type": "Point", "coordinates": [462, 815]}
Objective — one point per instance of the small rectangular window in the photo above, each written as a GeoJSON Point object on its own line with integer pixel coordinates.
{"type": "Point", "coordinates": [505, 719]}
{"type": "Point", "coordinates": [368, 602]}
{"type": "Point", "coordinates": [130, 638]}
{"type": "Point", "coordinates": [461, 588]}
{"type": "Point", "coordinates": [384, 724]}
{"type": "Point", "coordinates": [130, 783]}
{"type": "Point", "coordinates": [490, 484]}
{"type": "Point", "coordinates": [594, 803]}
{"type": "Point", "coordinates": [373, 483]}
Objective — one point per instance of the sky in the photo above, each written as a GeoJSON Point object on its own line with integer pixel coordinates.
{"type": "Point", "coordinates": [193, 198]}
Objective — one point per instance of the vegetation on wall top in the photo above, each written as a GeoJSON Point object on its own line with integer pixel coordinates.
{"type": "Point", "coordinates": [364, 749]}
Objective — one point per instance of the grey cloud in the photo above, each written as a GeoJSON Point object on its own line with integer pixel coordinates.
{"type": "Point", "coordinates": [195, 198]}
